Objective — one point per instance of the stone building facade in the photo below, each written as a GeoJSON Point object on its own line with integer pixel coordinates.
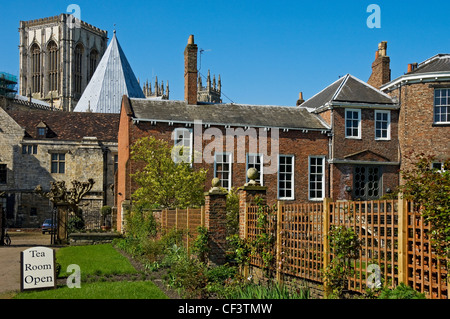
{"type": "Point", "coordinates": [40, 146]}
{"type": "Point", "coordinates": [58, 56]}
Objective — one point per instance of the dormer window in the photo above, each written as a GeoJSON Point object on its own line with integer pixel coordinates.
{"type": "Point", "coordinates": [41, 130]}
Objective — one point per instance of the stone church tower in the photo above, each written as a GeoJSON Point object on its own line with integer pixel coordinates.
{"type": "Point", "coordinates": [58, 56]}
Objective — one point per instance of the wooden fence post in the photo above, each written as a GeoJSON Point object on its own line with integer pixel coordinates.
{"type": "Point", "coordinates": [278, 261]}
{"type": "Point", "coordinates": [246, 267]}
{"type": "Point", "coordinates": [202, 216]}
{"type": "Point", "coordinates": [402, 239]}
{"type": "Point", "coordinates": [187, 230]}
{"type": "Point", "coordinates": [325, 241]}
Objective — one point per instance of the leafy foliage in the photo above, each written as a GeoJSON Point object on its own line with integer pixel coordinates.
{"type": "Point", "coordinates": [402, 291]}
{"type": "Point", "coordinates": [162, 181]}
{"type": "Point", "coordinates": [430, 189]}
{"type": "Point", "coordinates": [201, 247]}
{"type": "Point", "coordinates": [345, 245]}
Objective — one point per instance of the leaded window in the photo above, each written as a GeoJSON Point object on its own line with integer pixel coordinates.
{"type": "Point", "coordinates": [79, 50]}
{"type": "Point", "coordinates": [52, 66]}
{"type": "Point", "coordinates": [35, 68]}
{"type": "Point", "coordinates": [367, 182]}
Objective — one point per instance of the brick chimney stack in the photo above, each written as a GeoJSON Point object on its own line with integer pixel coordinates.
{"type": "Point", "coordinates": [190, 72]}
{"type": "Point", "coordinates": [381, 72]}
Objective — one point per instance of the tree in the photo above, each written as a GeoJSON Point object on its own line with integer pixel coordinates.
{"type": "Point", "coordinates": [430, 189]}
{"type": "Point", "coordinates": [60, 195]}
{"type": "Point", "coordinates": [162, 182]}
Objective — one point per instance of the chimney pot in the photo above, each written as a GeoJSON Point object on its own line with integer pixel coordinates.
{"type": "Point", "coordinates": [300, 99]}
{"type": "Point", "coordinates": [191, 39]}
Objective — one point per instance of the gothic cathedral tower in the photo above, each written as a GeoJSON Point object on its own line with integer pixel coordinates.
{"type": "Point", "coordinates": [58, 56]}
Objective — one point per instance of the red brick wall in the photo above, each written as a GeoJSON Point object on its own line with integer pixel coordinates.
{"type": "Point", "coordinates": [122, 184]}
{"type": "Point", "coordinates": [346, 146]}
{"type": "Point", "coordinates": [341, 175]}
{"type": "Point", "coordinates": [190, 73]}
{"type": "Point", "coordinates": [417, 131]}
{"type": "Point", "coordinates": [297, 143]}
{"type": "Point", "coordinates": [381, 72]}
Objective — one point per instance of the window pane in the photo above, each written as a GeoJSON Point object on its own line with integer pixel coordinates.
{"type": "Point", "coordinates": [285, 177]}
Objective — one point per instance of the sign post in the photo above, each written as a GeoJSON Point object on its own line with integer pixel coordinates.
{"type": "Point", "coordinates": [37, 268]}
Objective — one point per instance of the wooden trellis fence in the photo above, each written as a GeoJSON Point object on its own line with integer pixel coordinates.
{"type": "Point", "coordinates": [393, 236]}
{"type": "Point", "coordinates": [187, 220]}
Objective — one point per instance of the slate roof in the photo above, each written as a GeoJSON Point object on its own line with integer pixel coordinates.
{"type": "Point", "coordinates": [111, 80]}
{"type": "Point", "coordinates": [69, 126]}
{"type": "Point", "coordinates": [438, 63]}
{"type": "Point", "coordinates": [348, 89]}
{"type": "Point", "coordinates": [237, 115]}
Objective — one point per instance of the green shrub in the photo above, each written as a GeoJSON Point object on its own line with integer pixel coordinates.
{"type": "Point", "coordinates": [267, 291]}
{"type": "Point", "coordinates": [75, 224]}
{"type": "Point", "coordinates": [201, 247]}
{"type": "Point", "coordinates": [186, 274]}
{"type": "Point", "coordinates": [402, 291]}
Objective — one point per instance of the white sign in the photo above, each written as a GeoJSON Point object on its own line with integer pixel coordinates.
{"type": "Point", "coordinates": [38, 268]}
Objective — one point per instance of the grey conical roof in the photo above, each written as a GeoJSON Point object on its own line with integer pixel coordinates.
{"type": "Point", "coordinates": [112, 79]}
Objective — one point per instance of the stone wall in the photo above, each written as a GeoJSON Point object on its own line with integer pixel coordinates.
{"type": "Point", "coordinates": [79, 239]}
{"type": "Point", "coordinates": [84, 159]}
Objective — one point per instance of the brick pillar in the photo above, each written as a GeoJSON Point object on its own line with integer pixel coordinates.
{"type": "Point", "coordinates": [216, 223]}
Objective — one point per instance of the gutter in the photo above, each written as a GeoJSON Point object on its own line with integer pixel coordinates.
{"type": "Point", "coordinates": [413, 78]}
{"type": "Point", "coordinates": [228, 125]}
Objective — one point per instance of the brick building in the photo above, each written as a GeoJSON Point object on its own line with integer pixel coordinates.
{"type": "Point", "coordinates": [424, 98]}
{"type": "Point", "coordinates": [41, 146]}
{"type": "Point", "coordinates": [363, 152]}
{"type": "Point", "coordinates": [252, 132]}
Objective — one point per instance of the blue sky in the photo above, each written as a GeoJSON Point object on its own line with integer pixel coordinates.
{"type": "Point", "coordinates": [265, 51]}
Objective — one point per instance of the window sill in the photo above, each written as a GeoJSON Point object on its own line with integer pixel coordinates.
{"type": "Point", "coordinates": [440, 125]}
{"type": "Point", "coordinates": [352, 138]}
{"type": "Point", "coordinates": [286, 199]}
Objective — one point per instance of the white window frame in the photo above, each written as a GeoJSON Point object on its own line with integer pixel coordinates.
{"type": "Point", "coordinates": [322, 179]}
{"type": "Point", "coordinates": [230, 173]}
{"type": "Point", "coordinates": [184, 130]}
{"type": "Point", "coordinates": [388, 129]}
{"type": "Point", "coordinates": [261, 171]}
{"type": "Point", "coordinates": [292, 178]}
{"type": "Point", "coordinates": [359, 124]}
{"type": "Point", "coordinates": [445, 106]}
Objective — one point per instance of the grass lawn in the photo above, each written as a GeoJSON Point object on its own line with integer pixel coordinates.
{"type": "Point", "coordinates": [100, 290]}
{"type": "Point", "coordinates": [97, 262]}
{"type": "Point", "coordinates": [94, 260]}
